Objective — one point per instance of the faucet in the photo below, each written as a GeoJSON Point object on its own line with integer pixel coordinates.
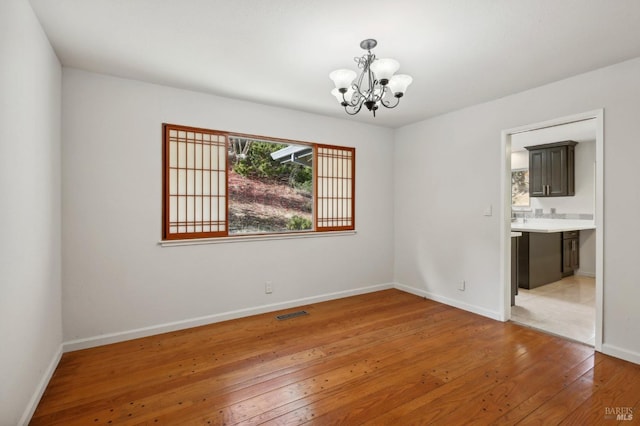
{"type": "Point", "coordinates": [514, 215]}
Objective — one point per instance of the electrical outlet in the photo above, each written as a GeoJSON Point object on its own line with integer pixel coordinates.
{"type": "Point", "coordinates": [462, 285]}
{"type": "Point", "coordinates": [268, 287]}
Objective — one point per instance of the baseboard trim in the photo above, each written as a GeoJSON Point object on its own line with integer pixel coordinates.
{"type": "Point", "coordinates": [42, 386]}
{"type": "Point", "coordinates": [585, 273]}
{"type": "Point", "coordinates": [122, 336]}
{"type": "Point", "coordinates": [451, 302]}
{"type": "Point", "coordinates": [621, 353]}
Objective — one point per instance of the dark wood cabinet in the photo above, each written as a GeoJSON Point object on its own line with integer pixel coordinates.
{"type": "Point", "coordinates": [539, 259]}
{"type": "Point", "coordinates": [570, 252]}
{"type": "Point", "coordinates": [552, 169]}
{"type": "Point", "coordinates": [514, 268]}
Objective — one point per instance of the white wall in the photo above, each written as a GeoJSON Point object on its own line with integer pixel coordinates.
{"type": "Point", "coordinates": [441, 235]}
{"type": "Point", "coordinates": [587, 253]}
{"type": "Point", "coordinates": [116, 276]}
{"type": "Point", "coordinates": [519, 159]}
{"type": "Point", "coordinates": [30, 306]}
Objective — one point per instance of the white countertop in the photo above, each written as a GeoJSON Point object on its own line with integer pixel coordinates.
{"type": "Point", "coordinates": [552, 225]}
{"type": "Point", "coordinates": [516, 234]}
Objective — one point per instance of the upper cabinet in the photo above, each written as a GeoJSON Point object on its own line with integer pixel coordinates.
{"type": "Point", "coordinates": [552, 169]}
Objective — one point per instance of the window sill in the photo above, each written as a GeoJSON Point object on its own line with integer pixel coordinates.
{"type": "Point", "coordinates": [242, 238]}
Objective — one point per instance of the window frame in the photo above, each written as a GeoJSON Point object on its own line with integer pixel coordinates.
{"type": "Point", "coordinates": [168, 236]}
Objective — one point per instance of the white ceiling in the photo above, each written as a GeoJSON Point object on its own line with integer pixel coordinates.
{"type": "Point", "coordinates": [280, 52]}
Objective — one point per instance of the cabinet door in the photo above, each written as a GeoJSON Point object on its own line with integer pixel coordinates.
{"type": "Point", "coordinates": [557, 171]}
{"type": "Point", "coordinates": [514, 269]}
{"type": "Point", "coordinates": [551, 169]}
{"type": "Point", "coordinates": [545, 258]}
{"type": "Point", "coordinates": [575, 254]}
{"type": "Point", "coordinates": [571, 170]}
{"type": "Point", "coordinates": [537, 173]}
{"type": "Point", "coordinates": [567, 256]}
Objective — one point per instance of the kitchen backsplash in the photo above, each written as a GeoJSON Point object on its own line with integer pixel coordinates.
{"type": "Point", "coordinates": [540, 214]}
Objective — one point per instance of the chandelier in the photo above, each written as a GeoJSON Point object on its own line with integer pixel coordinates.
{"type": "Point", "coordinates": [376, 85]}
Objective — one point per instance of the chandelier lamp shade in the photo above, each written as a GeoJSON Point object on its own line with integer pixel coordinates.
{"type": "Point", "coordinates": [378, 84]}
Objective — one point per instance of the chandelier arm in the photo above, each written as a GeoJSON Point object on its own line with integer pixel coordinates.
{"type": "Point", "coordinates": [354, 109]}
{"type": "Point", "coordinates": [356, 89]}
{"type": "Point", "coordinates": [380, 96]}
{"type": "Point", "coordinates": [358, 85]}
{"type": "Point", "coordinates": [356, 99]}
{"type": "Point", "coordinates": [387, 104]}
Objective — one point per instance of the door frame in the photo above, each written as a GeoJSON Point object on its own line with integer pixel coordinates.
{"type": "Point", "coordinates": [505, 212]}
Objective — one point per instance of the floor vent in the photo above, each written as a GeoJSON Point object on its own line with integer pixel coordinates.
{"type": "Point", "coordinates": [292, 315]}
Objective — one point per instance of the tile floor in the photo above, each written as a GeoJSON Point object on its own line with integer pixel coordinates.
{"type": "Point", "coordinates": [565, 308]}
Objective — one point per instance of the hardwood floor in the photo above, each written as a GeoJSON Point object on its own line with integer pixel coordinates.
{"type": "Point", "coordinates": [380, 358]}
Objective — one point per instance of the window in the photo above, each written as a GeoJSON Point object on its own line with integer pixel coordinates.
{"type": "Point", "coordinates": [270, 186]}
{"type": "Point", "coordinates": [220, 184]}
{"type": "Point", "coordinates": [520, 187]}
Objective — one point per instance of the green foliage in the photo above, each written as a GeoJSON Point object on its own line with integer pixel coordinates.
{"type": "Point", "coordinates": [298, 223]}
{"type": "Point", "coordinates": [305, 187]}
{"type": "Point", "coordinates": [301, 177]}
{"type": "Point", "coordinates": [258, 164]}
{"type": "Point", "coordinates": [300, 174]}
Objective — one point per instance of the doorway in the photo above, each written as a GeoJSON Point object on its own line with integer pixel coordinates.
{"type": "Point", "coordinates": [588, 127]}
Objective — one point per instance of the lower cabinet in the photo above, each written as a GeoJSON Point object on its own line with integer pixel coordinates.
{"type": "Point", "coordinates": [570, 252]}
{"type": "Point", "coordinates": [546, 257]}
{"type": "Point", "coordinates": [539, 259]}
{"type": "Point", "coordinates": [515, 241]}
